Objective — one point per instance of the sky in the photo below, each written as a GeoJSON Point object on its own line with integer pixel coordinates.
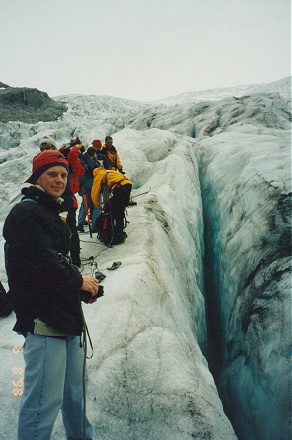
{"type": "Point", "coordinates": [143, 49]}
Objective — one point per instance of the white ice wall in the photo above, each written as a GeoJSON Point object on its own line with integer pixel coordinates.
{"type": "Point", "coordinates": [245, 178]}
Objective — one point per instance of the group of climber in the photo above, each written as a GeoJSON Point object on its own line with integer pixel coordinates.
{"type": "Point", "coordinates": [96, 174]}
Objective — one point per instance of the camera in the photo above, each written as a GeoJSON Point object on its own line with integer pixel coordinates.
{"type": "Point", "coordinates": [86, 296]}
{"type": "Point", "coordinates": [99, 276]}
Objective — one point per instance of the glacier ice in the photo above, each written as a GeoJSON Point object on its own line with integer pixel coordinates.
{"type": "Point", "coordinates": [204, 282]}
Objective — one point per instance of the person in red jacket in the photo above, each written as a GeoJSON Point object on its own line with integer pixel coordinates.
{"type": "Point", "coordinates": [77, 170]}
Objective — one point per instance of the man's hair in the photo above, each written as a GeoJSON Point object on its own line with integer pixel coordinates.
{"type": "Point", "coordinates": [91, 151]}
{"type": "Point", "coordinates": [75, 141]}
{"type": "Point", "coordinates": [108, 138]}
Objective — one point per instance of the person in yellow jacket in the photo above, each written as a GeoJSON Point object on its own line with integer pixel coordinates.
{"type": "Point", "coordinates": [115, 189]}
{"type": "Point", "coordinates": [111, 154]}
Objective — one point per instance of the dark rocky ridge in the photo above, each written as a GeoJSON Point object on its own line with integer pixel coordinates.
{"type": "Point", "coordinates": [3, 85]}
{"type": "Point", "coordinates": [28, 105]}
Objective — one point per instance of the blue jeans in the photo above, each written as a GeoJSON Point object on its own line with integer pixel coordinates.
{"type": "Point", "coordinates": [53, 380]}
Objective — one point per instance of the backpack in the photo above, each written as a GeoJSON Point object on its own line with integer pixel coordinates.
{"type": "Point", "coordinates": [89, 164]}
{"type": "Point", "coordinates": [105, 227]}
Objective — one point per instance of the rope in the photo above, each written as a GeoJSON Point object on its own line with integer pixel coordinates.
{"type": "Point", "coordinates": [84, 386]}
{"type": "Point", "coordinates": [85, 334]}
{"type": "Point", "coordinates": [83, 343]}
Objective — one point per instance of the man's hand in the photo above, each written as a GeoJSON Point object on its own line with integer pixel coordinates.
{"type": "Point", "coordinates": [90, 287]}
{"type": "Point", "coordinates": [90, 284]}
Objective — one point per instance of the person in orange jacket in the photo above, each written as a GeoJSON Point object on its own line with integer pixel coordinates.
{"type": "Point", "coordinates": [115, 189]}
{"type": "Point", "coordinates": [111, 154]}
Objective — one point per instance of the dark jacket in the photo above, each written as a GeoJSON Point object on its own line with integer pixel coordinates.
{"type": "Point", "coordinates": [42, 285]}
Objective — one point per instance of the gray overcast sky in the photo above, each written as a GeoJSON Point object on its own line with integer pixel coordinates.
{"type": "Point", "coordinates": [143, 49]}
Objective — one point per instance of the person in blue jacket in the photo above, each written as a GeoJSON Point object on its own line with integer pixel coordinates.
{"type": "Point", "coordinates": [46, 291]}
{"type": "Point", "coordinates": [90, 162]}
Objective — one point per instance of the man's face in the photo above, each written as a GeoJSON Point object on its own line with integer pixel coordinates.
{"type": "Point", "coordinates": [46, 147]}
{"type": "Point", "coordinates": [109, 143]}
{"type": "Point", "coordinates": [53, 181]}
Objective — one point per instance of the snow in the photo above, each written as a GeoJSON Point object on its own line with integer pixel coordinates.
{"type": "Point", "coordinates": [204, 273]}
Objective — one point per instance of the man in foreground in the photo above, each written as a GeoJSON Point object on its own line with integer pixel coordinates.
{"type": "Point", "coordinates": [46, 291]}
